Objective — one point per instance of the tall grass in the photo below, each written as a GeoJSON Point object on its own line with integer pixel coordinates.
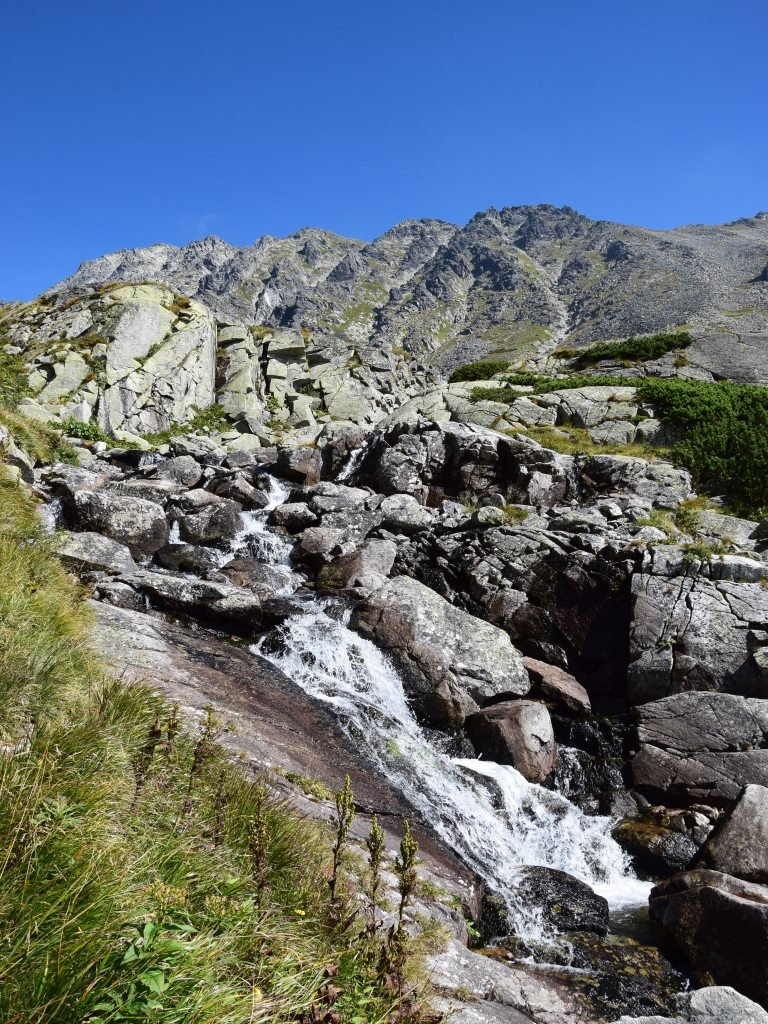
{"type": "Point", "coordinates": [128, 887]}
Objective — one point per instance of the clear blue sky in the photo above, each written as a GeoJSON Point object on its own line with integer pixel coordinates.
{"type": "Point", "coordinates": [127, 124]}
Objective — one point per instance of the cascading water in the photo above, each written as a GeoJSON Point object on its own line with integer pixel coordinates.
{"type": "Point", "coordinates": [525, 825]}
{"type": "Point", "coordinates": [352, 464]}
{"type": "Point", "coordinates": [492, 817]}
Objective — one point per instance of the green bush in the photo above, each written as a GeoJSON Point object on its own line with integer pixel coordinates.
{"type": "Point", "coordinates": [725, 435]}
{"type": "Point", "coordinates": [481, 369]}
{"type": "Point", "coordinates": [13, 378]}
{"type": "Point", "coordinates": [633, 349]}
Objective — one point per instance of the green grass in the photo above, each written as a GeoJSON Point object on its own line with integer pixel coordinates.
{"type": "Point", "coordinates": [578, 441]}
{"type": "Point", "coordinates": [211, 419]}
{"type": "Point", "coordinates": [143, 877]}
{"type": "Point", "coordinates": [630, 349]}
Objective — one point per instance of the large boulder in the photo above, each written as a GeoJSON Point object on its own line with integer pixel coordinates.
{"type": "Point", "coordinates": [718, 1004]}
{"type": "Point", "coordinates": [720, 923]}
{"type": "Point", "coordinates": [740, 846]}
{"type": "Point", "coordinates": [700, 748]}
{"type": "Point", "coordinates": [557, 687]}
{"type": "Point", "coordinates": [451, 662]}
{"type": "Point", "coordinates": [138, 524]}
{"type": "Point", "coordinates": [698, 626]}
{"type": "Point", "coordinates": [212, 524]}
{"type": "Point", "coordinates": [565, 902]}
{"type": "Point", "coordinates": [365, 569]}
{"type": "Point", "coordinates": [218, 604]}
{"type": "Point", "coordinates": [517, 733]}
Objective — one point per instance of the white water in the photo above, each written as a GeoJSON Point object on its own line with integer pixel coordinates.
{"type": "Point", "coordinates": [256, 540]}
{"type": "Point", "coordinates": [493, 818]}
{"type": "Point", "coordinates": [352, 464]}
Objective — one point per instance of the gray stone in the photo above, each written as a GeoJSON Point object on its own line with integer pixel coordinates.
{"type": "Point", "coordinates": [137, 523]}
{"type": "Point", "coordinates": [740, 845]}
{"type": "Point", "coordinates": [212, 524]}
{"type": "Point", "coordinates": [557, 687]}
{"type": "Point", "coordinates": [701, 748]}
{"type": "Point", "coordinates": [719, 1004]}
{"type": "Point", "coordinates": [89, 551]}
{"type": "Point", "coordinates": [182, 469]}
{"type": "Point", "coordinates": [365, 569]}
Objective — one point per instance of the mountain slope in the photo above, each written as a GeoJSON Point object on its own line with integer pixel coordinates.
{"type": "Point", "coordinates": [518, 280]}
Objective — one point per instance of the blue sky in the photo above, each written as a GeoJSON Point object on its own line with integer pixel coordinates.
{"type": "Point", "coordinates": [125, 125]}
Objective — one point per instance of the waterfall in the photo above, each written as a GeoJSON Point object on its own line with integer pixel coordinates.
{"type": "Point", "coordinates": [495, 829]}
{"type": "Point", "coordinates": [352, 464]}
{"type": "Point", "coordinates": [254, 539]}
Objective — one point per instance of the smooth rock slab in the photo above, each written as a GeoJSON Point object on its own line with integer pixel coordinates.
{"type": "Point", "coordinates": [451, 662]}
{"type": "Point", "coordinates": [701, 748]}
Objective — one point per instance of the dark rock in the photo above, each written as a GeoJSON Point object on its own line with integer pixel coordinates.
{"type": "Point", "coordinates": [302, 464]}
{"type": "Point", "coordinates": [517, 733]}
{"type": "Point", "coordinates": [236, 487]}
{"type": "Point", "coordinates": [720, 924]}
{"type": "Point", "coordinates": [213, 524]}
{"type": "Point", "coordinates": [187, 558]}
{"type": "Point", "coordinates": [566, 903]}
{"type": "Point", "coordinates": [656, 850]}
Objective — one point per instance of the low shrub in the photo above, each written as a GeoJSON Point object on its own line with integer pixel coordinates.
{"type": "Point", "coordinates": [481, 369]}
{"type": "Point", "coordinates": [640, 349]}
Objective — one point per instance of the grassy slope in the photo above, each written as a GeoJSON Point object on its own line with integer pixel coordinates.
{"type": "Point", "coordinates": [142, 876]}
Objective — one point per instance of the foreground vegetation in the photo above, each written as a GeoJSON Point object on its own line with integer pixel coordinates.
{"type": "Point", "coordinates": [143, 877]}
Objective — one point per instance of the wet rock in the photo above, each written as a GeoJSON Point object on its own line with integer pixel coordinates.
{"type": "Point", "coordinates": [137, 523]}
{"type": "Point", "coordinates": [365, 569]}
{"type": "Point", "coordinates": [451, 662]}
{"type": "Point", "coordinates": [656, 850]}
{"type": "Point", "coordinates": [213, 524]}
{"type": "Point", "coordinates": [565, 903]}
{"type": "Point", "coordinates": [88, 551]}
{"type": "Point", "coordinates": [720, 924]}
{"type": "Point", "coordinates": [237, 487]}
{"type": "Point", "coordinates": [739, 847]}
{"type": "Point", "coordinates": [717, 1004]}
{"type": "Point", "coordinates": [256, 576]}
{"type": "Point", "coordinates": [557, 687]}
{"type": "Point", "coordinates": [517, 733]}
{"type": "Point", "coordinates": [701, 748]}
